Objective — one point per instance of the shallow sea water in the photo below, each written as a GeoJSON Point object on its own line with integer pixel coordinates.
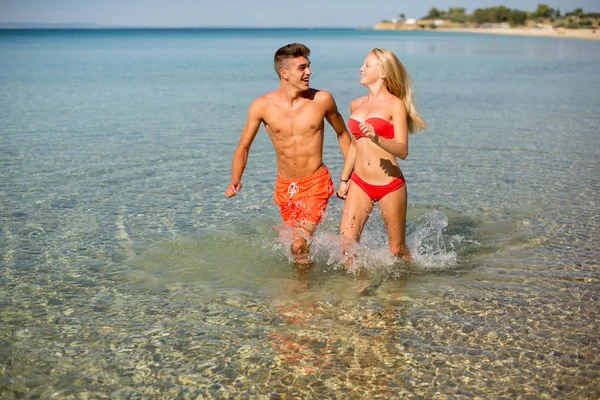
{"type": "Point", "coordinates": [125, 273]}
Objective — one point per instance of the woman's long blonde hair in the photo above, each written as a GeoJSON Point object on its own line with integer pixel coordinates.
{"type": "Point", "coordinates": [399, 83]}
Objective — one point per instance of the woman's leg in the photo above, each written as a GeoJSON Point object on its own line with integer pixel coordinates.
{"type": "Point", "coordinates": [393, 211]}
{"type": "Point", "coordinates": [356, 212]}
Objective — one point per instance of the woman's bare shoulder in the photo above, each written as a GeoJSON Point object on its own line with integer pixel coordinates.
{"type": "Point", "coordinates": [356, 103]}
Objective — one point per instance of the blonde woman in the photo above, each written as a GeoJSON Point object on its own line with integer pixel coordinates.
{"type": "Point", "coordinates": [380, 123]}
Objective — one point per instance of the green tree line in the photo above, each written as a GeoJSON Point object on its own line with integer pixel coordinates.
{"type": "Point", "coordinates": [501, 14]}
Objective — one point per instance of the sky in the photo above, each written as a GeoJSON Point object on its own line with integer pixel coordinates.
{"type": "Point", "coordinates": [249, 13]}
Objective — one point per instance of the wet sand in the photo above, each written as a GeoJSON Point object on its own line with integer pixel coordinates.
{"type": "Point", "coordinates": [588, 34]}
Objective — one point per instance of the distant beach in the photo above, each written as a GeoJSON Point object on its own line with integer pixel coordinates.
{"type": "Point", "coordinates": [588, 34]}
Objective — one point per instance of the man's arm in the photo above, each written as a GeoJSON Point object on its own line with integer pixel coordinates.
{"type": "Point", "coordinates": [350, 159]}
{"type": "Point", "coordinates": [240, 156]}
{"type": "Point", "coordinates": [336, 121]}
{"type": "Point", "coordinates": [347, 171]}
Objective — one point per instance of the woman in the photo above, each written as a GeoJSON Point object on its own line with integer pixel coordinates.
{"type": "Point", "coordinates": [380, 123]}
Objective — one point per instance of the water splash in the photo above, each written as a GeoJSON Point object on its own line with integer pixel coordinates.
{"type": "Point", "coordinates": [425, 238]}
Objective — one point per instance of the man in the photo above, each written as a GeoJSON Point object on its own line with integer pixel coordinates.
{"type": "Point", "coordinates": [293, 116]}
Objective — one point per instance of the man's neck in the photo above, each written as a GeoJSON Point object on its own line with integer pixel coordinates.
{"type": "Point", "coordinates": [291, 94]}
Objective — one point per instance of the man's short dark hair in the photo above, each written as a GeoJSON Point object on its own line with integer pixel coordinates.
{"type": "Point", "coordinates": [293, 50]}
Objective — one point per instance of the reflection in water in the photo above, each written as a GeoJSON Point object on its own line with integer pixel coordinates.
{"type": "Point", "coordinates": [340, 347]}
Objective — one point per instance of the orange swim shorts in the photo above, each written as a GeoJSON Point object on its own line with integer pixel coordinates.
{"type": "Point", "coordinates": [304, 199]}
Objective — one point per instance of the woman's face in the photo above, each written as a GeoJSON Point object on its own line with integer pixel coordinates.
{"type": "Point", "coordinates": [370, 71]}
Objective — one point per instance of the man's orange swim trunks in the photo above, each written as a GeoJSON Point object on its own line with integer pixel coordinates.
{"type": "Point", "coordinates": [304, 199]}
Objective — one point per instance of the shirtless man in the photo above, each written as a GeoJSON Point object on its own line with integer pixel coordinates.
{"type": "Point", "coordinates": [293, 116]}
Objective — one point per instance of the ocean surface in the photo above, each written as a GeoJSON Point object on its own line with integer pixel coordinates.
{"type": "Point", "coordinates": [125, 273]}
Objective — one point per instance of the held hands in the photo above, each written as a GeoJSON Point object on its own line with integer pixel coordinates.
{"type": "Point", "coordinates": [235, 185]}
{"type": "Point", "coordinates": [342, 190]}
{"type": "Point", "coordinates": [369, 132]}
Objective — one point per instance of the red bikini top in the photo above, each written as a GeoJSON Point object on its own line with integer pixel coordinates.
{"type": "Point", "coordinates": [382, 127]}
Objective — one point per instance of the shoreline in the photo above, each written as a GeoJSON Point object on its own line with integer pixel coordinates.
{"type": "Point", "coordinates": [582, 34]}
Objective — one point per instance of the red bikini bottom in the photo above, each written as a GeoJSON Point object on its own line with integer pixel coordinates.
{"type": "Point", "coordinates": [377, 192]}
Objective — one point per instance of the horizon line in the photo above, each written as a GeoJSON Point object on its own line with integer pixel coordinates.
{"type": "Point", "coordinates": [92, 26]}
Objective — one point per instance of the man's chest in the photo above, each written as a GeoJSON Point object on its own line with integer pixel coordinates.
{"type": "Point", "coordinates": [304, 119]}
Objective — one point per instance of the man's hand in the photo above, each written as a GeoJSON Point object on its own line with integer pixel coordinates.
{"type": "Point", "coordinates": [234, 186]}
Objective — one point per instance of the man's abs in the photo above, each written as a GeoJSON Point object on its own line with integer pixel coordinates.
{"type": "Point", "coordinates": [299, 168]}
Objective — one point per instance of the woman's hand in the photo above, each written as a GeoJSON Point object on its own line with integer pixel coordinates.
{"type": "Point", "coordinates": [342, 190]}
{"type": "Point", "coordinates": [369, 132]}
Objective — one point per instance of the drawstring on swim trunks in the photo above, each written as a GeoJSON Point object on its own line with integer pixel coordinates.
{"type": "Point", "coordinates": [293, 189]}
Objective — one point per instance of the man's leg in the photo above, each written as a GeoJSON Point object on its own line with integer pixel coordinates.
{"type": "Point", "coordinates": [308, 217]}
{"type": "Point", "coordinates": [300, 248]}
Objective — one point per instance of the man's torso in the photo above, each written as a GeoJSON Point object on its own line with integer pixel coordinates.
{"type": "Point", "coordinates": [297, 133]}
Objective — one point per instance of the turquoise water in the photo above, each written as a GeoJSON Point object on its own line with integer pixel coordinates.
{"type": "Point", "coordinates": [126, 273]}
